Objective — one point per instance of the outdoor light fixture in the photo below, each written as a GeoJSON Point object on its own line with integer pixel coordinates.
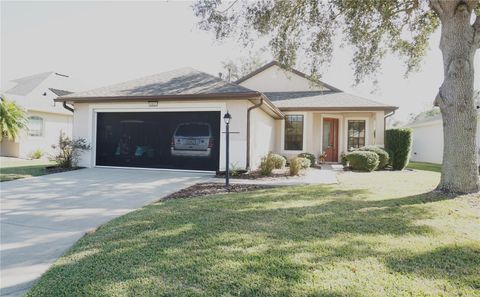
{"type": "Point", "coordinates": [226, 118]}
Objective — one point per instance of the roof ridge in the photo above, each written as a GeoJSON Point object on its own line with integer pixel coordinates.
{"type": "Point", "coordinates": [291, 69]}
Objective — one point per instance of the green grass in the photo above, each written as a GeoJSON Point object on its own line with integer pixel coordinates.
{"type": "Point", "coordinates": [11, 169]}
{"type": "Point", "coordinates": [374, 234]}
{"type": "Point", "coordinates": [425, 166]}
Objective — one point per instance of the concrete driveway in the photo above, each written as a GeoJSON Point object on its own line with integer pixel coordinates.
{"type": "Point", "coordinates": [42, 217]}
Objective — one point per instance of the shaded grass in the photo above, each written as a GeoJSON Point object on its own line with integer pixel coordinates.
{"type": "Point", "coordinates": [12, 173]}
{"type": "Point", "coordinates": [425, 166]}
{"type": "Point", "coordinates": [374, 234]}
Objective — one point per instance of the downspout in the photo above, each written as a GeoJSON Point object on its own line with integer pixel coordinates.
{"type": "Point", "coordinates": [248, 130]}
{"type": "Point", "coordinates": [385, 126]}
{"type": "Point", "coordinates": [67, 107]}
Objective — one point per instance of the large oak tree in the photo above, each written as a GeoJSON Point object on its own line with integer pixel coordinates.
{"type": "Point", "coordinates": [372, 28]}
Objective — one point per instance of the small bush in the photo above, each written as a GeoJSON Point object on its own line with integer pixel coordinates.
{"type": "Point", "coordinates": [363, 160]}
{"type": "Point", "coordinates": [382, 155]}
{"type": "Point", "coordinates": [278, 160]}
{"type": "Point", "coordinates": [297, 164]}
{"type": "Point", "coordinates": [234, 170]}
{"type": "Point", "coordinates": [305, 163]}
{"type": "Point", "coordinates": [68, 151]}
{"type": "Point", "coordinates": [36, 154]}
{"type": "Point", "coordinates": [398, 143]}
{"type": "Point", "coordinates": [309, 156]}
{"type": "Point", "coordinates": [343, 159]}
{"type": "Point", "coordinates": [267, 165]}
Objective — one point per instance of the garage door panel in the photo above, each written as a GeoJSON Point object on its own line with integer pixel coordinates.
{"type": "Point", "coordinates": [175, 140]}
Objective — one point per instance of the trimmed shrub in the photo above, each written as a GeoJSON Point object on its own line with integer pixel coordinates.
{"type": "Point", "coordinates": [398, 143]}
{"type": "Point", "coordinates": [309, 156]}
{"type": "Point", "coordinates": [363, 160]}
{"type": "Point", "coordinates": [295, 166]}
{"type": "Point", "coordinates": [267, 165]}
{"type": "Point", "coordinates": [382, 155]}
{"type": "Point", "coordinates": [278, 160]}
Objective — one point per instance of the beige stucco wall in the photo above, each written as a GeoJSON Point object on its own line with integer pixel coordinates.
{"type": "Point", "coordinates": [313, 130]}
{"type": "Point", "coordinates": [275, 79]}
{"type": "Point", "coordinates": [53, 124]}
{"type": "Point", "coordinates": [85, 125]}
{"type": "Point", "coordinates": [263, 128]}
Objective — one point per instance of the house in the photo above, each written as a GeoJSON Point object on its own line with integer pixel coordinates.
{"type": "Point", "coordinates": [46, 119]}
{"type": "Point", "coordinates": [427, 139]}
{"type": "Point", "coordinates": [174, 119]}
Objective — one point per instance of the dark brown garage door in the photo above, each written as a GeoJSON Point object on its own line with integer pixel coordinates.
{"type": "Point", "coordinates": [174, 140]}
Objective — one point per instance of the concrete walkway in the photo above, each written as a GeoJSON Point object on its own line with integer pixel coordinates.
{"type": "Point", "coordinates": [41, 217]}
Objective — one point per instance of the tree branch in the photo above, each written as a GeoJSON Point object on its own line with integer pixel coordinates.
{"type": "Point", "coordinates": [435, 5]}
{"type": "Point", "coordinates": [476, 33]}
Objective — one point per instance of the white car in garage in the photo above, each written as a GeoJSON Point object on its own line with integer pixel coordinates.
{"type": "Point", "coordinates": [192, 139]}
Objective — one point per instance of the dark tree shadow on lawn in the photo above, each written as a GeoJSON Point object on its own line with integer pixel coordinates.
{"type": "Point", "coordinates": [235, 244]}
{"type": "Point", "coordinates": [458, 264]}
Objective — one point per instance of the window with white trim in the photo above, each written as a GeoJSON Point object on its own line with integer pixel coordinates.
{"type": "Point", "coordinates": [356, 134]}
{"type": "Point", "coordinates": [35, 126]}
{"type": "Point", "coordinates": [293, 137]}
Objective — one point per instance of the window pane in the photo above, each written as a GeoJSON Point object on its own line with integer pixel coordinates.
{"type": "Point", "coordinates": [293, 132]}
{"type": "Point", "coordinates": [35, 126]}
{"type": "Point", "coordinates": [356, 134]}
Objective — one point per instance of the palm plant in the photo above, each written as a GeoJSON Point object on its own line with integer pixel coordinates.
{"type": "Point", "coordinates": [12, 119]}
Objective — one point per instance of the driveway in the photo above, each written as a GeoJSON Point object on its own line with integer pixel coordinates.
{"type": "Point", "coordinates": [42, 217]}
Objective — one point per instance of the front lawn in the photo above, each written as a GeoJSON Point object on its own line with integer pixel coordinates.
{"type": "Point", "coordinates": [374, 234]}
{"type": "Point", "coordinates": [425, 166]}
{"type": "Point", "coordinates": [12, 168]}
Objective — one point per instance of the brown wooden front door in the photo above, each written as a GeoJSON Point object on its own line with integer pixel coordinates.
{"type": "Point", "coordinates": [330, 139]}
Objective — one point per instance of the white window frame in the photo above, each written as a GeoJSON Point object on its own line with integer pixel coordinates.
{"type": "Point", "coordinates": [367, 129]}
{"type": "Point", "coordinates": [304, 138]}
{"type": "Point", "coordinates": [42, 127]}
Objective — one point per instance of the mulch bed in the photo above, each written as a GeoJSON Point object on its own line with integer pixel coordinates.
{"type": "Point", "coordinates": [56, 169]}
{"type": "Point", "coordinates": [205, 189]}
{"type": "Point", "coordinates": [276, 173]}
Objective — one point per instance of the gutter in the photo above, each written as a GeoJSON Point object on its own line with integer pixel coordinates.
{"type": "Point", "coordinates": [67, 107]}
{"type": "Point", "coordinates": [248, 130]}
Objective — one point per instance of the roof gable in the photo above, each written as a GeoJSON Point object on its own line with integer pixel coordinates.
{"type": "Point", "coordinates": [27, 84]}
{"type": "Point", "coordinates": [274, 77]}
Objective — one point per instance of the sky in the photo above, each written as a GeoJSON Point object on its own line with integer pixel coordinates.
{"type": "Point", "coordinates": [102, 43]}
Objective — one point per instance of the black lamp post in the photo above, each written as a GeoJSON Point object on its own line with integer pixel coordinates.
{"type": "Point", "coordinates": [227, 117]}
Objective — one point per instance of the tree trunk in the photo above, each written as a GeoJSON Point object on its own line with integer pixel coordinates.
{"type": "Point", "coordinates": [456, 102]}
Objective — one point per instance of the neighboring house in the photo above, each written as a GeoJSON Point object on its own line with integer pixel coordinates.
{"type": "Point", "coordinates": [174, 119]}
{"type": "Point", "coordinates": [46, 119]}
{"type": "Point", "coordinates": [427, 139]}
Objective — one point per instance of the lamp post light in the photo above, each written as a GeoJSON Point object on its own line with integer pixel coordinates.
{"type": "Point", "coordinates": [226, 118]}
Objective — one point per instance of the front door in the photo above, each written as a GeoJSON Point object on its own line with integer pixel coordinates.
{"type": "Point", "coordinates": [330, 139]}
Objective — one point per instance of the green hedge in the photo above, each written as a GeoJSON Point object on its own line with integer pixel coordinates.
{"type": "Point", "coordinates": [297, 164]}
{"type": "Point", "coordinates": [363, 160]}
{"type": "Point", "coordinates": [382, 155]}
{"type": "Point", "coordinates": [398, 143]}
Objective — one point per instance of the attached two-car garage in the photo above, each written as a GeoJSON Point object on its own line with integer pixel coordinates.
{"type": "Point", "coordinates": [173, 140]}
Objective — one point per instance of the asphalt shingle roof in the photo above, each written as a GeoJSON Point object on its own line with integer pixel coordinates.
{"type": "Point", "coordinates": [28, 83]}
{"type": "Point", "coordinates": [321, 99]}
{"type": "Point", "coordinates": [183, 81]}
{"type": "Point", "coordinates": [59, 92]}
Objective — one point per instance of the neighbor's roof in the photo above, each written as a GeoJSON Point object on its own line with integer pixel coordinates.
{"type": "Point", "coordinates": [59, 92]}
{"type": "Point", "coordinates": [320, 100]}
{"type": "Point", "coordinates": [299, 73]}
{"type": "Point", "coordinates": [179, 82]}
{"type": "Point", "coordinates": [25, 85]}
